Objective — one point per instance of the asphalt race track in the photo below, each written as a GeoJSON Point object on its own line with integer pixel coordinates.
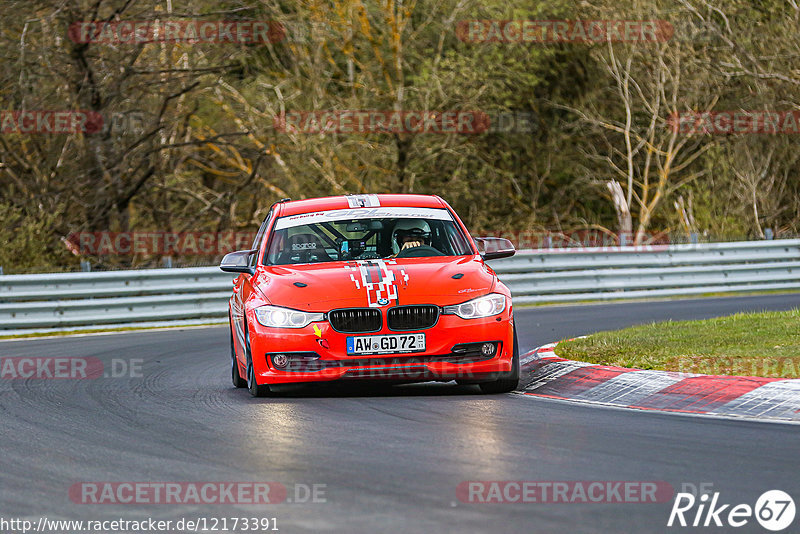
{"type": "Point", "coordinates": [390, 457]}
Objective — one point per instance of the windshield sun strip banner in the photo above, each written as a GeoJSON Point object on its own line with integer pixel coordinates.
{"type": "Point", "coordinates": [362, 213]}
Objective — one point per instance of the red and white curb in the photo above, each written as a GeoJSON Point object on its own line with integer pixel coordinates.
{"type": "Point", "coordinates": [729, 396]}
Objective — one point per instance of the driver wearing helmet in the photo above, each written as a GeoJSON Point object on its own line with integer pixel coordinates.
{"type": "Point", "coordinates": [410, 233]}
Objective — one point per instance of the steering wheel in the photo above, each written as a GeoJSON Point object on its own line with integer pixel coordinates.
{"type": "Point", "coordinates": [421, 251]}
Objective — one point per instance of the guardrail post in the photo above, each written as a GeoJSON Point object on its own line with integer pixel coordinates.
{"type": "Point", "coordinates": [167, 260]}
{"type": "Point", "coordinates": [86, 266]}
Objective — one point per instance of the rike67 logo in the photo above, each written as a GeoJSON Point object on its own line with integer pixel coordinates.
{"type": "Point", "coordinates": [774, 510]}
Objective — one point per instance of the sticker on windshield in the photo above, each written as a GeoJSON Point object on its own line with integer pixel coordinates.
{"type": "Point", "coordinates": [362, 213]}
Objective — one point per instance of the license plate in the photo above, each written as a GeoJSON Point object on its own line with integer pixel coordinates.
{"type": "Point", "coordinates": [394, 343]}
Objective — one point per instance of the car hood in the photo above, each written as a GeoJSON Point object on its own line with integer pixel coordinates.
{"type": "Point", "coordinates": [436, 280]}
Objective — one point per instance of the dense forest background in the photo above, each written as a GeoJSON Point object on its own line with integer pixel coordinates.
{"type": "Point", "coordinates": [189, 139]}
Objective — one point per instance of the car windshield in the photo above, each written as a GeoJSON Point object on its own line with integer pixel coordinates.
{"type": "Point", "coordinates": [325, 237]}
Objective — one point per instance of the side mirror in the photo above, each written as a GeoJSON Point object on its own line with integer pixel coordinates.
{"type": "Point", "coordinates": [495, 248]}
{"type": "Point", "coordinates": [238, 262]}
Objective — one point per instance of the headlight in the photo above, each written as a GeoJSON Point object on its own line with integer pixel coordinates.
{"type": "Point", "coordinates": [276, 317]}
{"type": "Point", "coordinates": [484, 306]}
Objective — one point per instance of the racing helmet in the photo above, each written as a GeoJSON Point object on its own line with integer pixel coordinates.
{"type": "Point", "coordinates": [410, 230]}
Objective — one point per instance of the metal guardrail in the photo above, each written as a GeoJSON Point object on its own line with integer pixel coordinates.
{"type": "Point", "coordinates": [564, 275]}
{"type": "Point", "coordinates": [160, 297]}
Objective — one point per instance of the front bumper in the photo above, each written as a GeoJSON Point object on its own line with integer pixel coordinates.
{"type": "Point", "coordinates": [438, 362]}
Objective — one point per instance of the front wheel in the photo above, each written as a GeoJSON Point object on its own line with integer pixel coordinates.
{"type": "Point", "coordinates": [256, 389]}
{"type": "Point", "coordinates": [508, 381]}
{"type": "Point", "coordinates": [236, 378]}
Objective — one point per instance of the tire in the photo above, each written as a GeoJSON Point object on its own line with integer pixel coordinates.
{"type": "Point", "coordinates": [238, 381]}
{"type": "Point", "coordinates": [508, 381]}
{"type": "Point", "coordinates": [256, 389]}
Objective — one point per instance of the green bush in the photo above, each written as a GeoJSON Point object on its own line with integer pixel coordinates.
{"type": "Point", "coordinates": [28, 244]}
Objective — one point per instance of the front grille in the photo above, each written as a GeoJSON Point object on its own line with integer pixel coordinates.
{"type": "Point", "coordinates": [412, 317]}
{"type": "Point", "coordinates": [354, 320]}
